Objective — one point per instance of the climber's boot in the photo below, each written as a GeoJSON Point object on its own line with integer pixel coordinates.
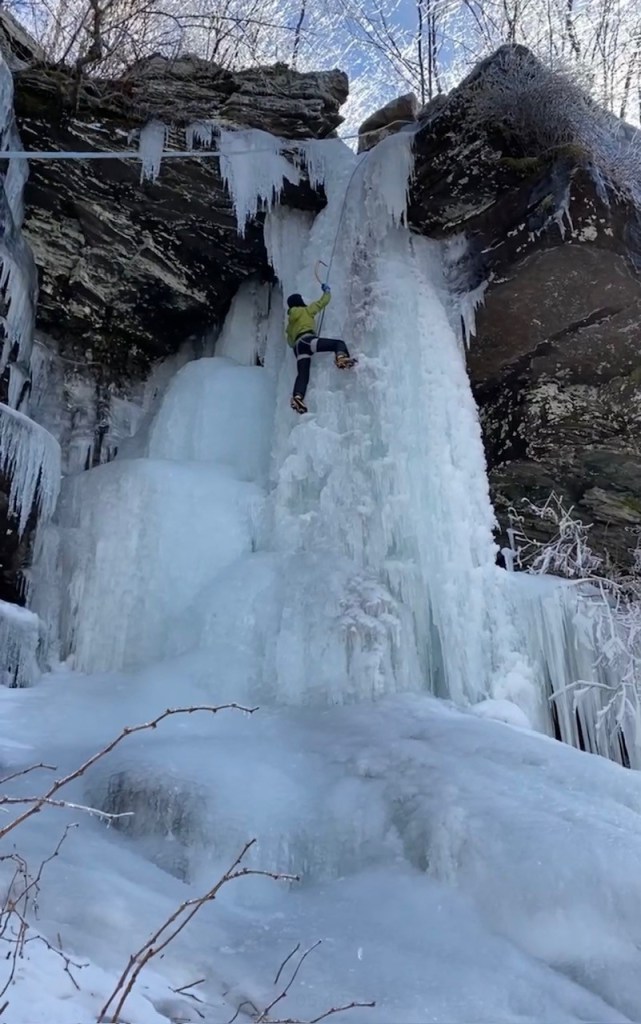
{"type": "Point", "coordinates": [298, 404]}
{"type": "Point", "coordinates": [343, 361]}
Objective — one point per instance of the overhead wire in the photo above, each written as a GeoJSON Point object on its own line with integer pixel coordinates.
{"type": "Point", "coordinates": [169, 154]}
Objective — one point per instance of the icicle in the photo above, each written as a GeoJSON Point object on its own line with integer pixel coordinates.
{"type": "Point", "coordinates": [17, 380]}
{"type": "Point", "coordinates": [254, 183]}
{"type": "Point", "coordinates": [468, 305]}
{"type": "Point", "coordinates": [30, 456]}
{"type": "Point", "coordinates": [202, 133]}
{"type": "Point", "coordinates": [6, 99]}
{"type": "Point", "coordinates": [19, 319]}
{"type": "Point", "coordinates": [286, 233]}
{"type": "Point", "coordinates": [19, 638]}
{"type": "Point", "coordinates": [151, 145]}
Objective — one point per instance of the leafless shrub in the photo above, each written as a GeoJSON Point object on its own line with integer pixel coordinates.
{"type": "Point", "coordinates": [19, 905]}
{"type": "Point", "coordinates": [21, 898]}
{"type": "Point", "coordinates": [171, 927]}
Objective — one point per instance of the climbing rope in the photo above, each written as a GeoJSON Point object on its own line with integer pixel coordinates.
{"type": "Point", "coordinates": [328, 265]}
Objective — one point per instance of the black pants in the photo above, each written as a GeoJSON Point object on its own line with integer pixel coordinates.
{"type": "Point", "coordinates": [304, 349]}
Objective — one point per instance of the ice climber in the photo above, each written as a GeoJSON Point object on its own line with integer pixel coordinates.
{"type": "Point", "coordinates": [302, 337]}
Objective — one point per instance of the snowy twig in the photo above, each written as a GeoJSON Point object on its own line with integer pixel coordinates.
{"type": "Point", "coordinates": [37, 803]}
{"type": "Point", "coordinates": [26, 771]}
{"type": "Point", "coordinates": [42, 801]}
{"type": "Point", "coordinates": [285, 962]}
{"type": "Point", "coordinates": [170, 928]}
{"type": "Point", "coordinates": [354, 1005]}
{"type": "Point", "coordinates": [192, 984]}
{"type": "Point", "coordinates": [263, 1016]}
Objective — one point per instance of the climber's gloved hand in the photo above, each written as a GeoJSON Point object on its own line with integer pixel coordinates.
{"type": "Point", "coordinates": [326, 290]}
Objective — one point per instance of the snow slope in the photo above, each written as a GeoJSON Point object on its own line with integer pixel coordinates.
{"type": "Point", "coordinates": [337, 570]}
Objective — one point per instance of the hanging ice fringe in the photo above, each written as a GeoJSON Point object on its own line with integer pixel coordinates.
{"type": "Point", "coordinates": [30, 457]}
{"type": "Point", "coordinates": [201, 133]}
{"type": "Point", "coordinates": [254, 183]}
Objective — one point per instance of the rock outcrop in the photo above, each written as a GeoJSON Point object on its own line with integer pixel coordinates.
{"type": "Point", "coordinates": [555, 240]}
{"type": "Point", "coordinates": [129, 269]}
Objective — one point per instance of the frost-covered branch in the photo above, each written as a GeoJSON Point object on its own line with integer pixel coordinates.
{"type": "Point", "coordinates": [607, 609]}
{"type": "Point", "coordinates": [567, 553]}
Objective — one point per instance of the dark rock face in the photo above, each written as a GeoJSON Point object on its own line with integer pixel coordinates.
{"type": "Point", "coordinates": [129, 270]}
{"type": "Point", "coordinates": [556, 361]}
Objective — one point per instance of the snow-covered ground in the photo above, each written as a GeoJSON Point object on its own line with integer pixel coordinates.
{"type": "Point", "coordinates": [455, 869]}
{"type": "Point", "coordinates": [337, 572]}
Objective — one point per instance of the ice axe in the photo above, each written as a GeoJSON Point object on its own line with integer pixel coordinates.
{"type": "Point", "coordinates": [317, 273]}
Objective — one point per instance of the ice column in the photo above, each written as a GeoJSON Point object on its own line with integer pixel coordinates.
{"type": "Point", "coordinates": [389, 467]}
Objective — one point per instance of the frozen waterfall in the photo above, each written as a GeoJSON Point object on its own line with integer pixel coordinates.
{"type": "Point", "coordinates": [347, 555]}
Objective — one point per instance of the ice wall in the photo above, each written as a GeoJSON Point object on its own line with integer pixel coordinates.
{"type": "Point", "coordinates": [389, 467]}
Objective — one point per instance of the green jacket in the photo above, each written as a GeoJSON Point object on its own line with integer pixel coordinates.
{"type": "Point", "coordinates": [301, 319]}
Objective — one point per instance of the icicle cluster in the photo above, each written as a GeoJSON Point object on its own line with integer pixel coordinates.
{"type": "Point", "coordinates": [30, 457]}
{"type": "Point", "coordinates": [254, 182]}
{"type": "Point", "coordinates": [201, 133]}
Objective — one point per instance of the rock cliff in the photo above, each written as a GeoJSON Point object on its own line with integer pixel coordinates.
{"type": "Point", "coordinates": [550, 231]}
{"type": "Point", "coordinates": [127, 268]}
